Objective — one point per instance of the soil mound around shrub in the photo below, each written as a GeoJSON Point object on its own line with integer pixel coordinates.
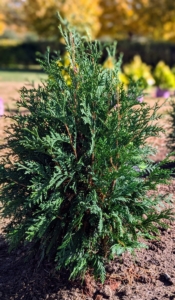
{"type": "Point", "coordinates": [147, 275]}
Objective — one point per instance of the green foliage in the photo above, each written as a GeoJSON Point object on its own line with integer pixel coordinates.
{"type": "Point", "coordinates": [171, 134]}
{"type": "Point", "coordinates": [164, 77]}
{"type": "Point", "coordinates": [73, 180]}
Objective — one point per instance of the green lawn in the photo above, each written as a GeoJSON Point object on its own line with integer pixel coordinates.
{"type": "Point", "coordinates": [21, 76]}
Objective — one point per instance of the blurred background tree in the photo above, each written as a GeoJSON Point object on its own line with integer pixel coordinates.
{"type": "Point", "coordinates": [153, 19]}
{"type": "Point", "coordinates": [141, 21]}
{"type": "Point", "coordinates": [112, 19]}
{"type": "Point", "coordinates": [12, 16]}
{"type": "Point", "coordinates": [120, 19]}
{"type": "Point", "coordinates": [2, 23]}
{"type": "Point", "coordinates": [160, 19]}
{"type": "Point", "coordinates": [41, 16]}
{"type": "Point", "coordinates": [3, 7]}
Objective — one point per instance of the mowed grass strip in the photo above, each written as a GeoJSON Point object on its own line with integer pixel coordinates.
{"type": "Point", "coordinates": [21, 76]}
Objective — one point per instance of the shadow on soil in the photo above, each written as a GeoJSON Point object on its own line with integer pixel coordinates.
{"type": "Point", "coordinates": [22, 279]}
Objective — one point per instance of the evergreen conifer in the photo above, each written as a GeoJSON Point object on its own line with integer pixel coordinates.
{"type": "Point", "coordinates": [73, 180]}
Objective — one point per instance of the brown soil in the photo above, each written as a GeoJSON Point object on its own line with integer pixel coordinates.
{"type": "Point", "coordinates": [147, 275]}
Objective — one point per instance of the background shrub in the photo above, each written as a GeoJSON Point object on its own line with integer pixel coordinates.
{"type": "Point", "coordinates": [164, 77]}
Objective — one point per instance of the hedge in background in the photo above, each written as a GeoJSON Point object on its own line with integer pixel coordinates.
{"type": "Point", "coordinates": [25, 53]}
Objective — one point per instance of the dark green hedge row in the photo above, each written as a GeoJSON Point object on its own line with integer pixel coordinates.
{"type": "Point", "coordinates": [25, 54]}
{"type": "Point", "coordinates": [151, 53]}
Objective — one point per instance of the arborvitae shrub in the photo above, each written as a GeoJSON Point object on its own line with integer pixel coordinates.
{"type": "Point", "coordinates": [73, 180]}
{"type": "Point", "coordinates": [171, 134]}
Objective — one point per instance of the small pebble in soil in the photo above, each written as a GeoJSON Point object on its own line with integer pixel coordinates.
{"type": "Point", "coordinates": [107, 291]}
{"type": "Point", "coordinates": [167, 277]}
{"type": "Point", "coordinates": [98, 297]}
